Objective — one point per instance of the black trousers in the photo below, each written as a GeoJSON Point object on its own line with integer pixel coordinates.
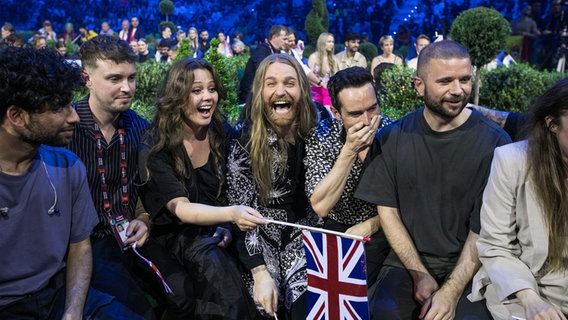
{"type": "Point", "coordinates": [393, 298]}
{"type": "Point", "coordinates": [114, 274]}
{"type": "Point", "coordinates": [49, 303]}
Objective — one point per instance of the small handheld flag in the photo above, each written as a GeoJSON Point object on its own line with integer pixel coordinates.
{"type": "Point", "coordinates": [337, 280]}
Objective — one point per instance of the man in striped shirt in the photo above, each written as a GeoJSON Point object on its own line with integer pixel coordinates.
{"type": "Point", "coordinates": [107, 140]}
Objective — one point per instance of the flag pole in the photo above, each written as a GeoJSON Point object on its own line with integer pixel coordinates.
{"type": "Point", "coordinates": [341, 234]}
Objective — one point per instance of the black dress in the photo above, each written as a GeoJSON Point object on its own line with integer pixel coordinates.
{"type": "Point", "coordinates": [216, 290]}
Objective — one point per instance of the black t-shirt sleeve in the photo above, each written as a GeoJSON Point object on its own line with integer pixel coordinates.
{"type": "Point", "coordinates": [474, 221]}
{"type": "Point", "coordinates": [161, 186]}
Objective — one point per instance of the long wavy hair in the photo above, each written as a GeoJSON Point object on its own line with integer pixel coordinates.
{"type": "Point", "coordinates": [549, 171]}
{"type": "Point", "coordinates": [195, 42]}
{"type": "Point", "coordinates": [261, 156]}
{"type": "Point", "coordinates": [333, 66]}
{"type": "Point", "coordinates": [170, 123]}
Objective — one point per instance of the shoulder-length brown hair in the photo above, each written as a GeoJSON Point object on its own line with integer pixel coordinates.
{"type": "Point", "coordinates": [169, 122]}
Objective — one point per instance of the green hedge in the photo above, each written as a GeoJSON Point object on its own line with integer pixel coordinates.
{"type": "Point", "coordinates": [400, 95]}
{"type": "Point", "coordinates": [317, 20]}
{"type": "Point", "coordinates": [514, 88]}
{"type": "Point", "coordinates": [227, 71]}
{"type": "Point", "coordinates": [510, 88]}
{"type": "Point", "coordinates": [149, 76]}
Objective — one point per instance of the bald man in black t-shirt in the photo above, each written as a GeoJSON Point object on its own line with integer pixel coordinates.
{"type": "Point", "coordinates": [427, 184]}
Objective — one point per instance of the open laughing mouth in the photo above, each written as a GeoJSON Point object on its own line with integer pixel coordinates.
{"type": "Point", "coordinates": [205, 110]}
{"type": "Point", "coordinates": [282, 107]}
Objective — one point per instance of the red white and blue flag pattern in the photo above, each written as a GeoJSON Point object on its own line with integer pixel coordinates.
{"type": "Point", "coordinates": [337, 280]}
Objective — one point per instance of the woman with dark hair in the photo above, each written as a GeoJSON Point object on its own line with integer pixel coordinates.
{"type": "Point", "coordinates": [184, 189]}
{"type": "Point", "coordinates": [86, 34]}
{"type": "Point", "coordinates": [143, 52]}
{"type": "Point", "coordinates": [523, 243]}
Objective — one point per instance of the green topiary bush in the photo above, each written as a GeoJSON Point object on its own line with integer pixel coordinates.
{"type": "Point", "coordinates": [484, 33]}
{"type": "Point", "coordinates": [317, 20]}
{"type": "Point", "coordinates": [169, 24]}
{"type": "Point", "coordinates": [166, 8]}
{"type": "Point", "coordinates": [78, 95]}
{"type": "Point", "coordinates": [308, 50]}
{"type": "Point", "coordinates": [72, 48]}
{"type": "Point", "coordinates": [143, 109]}
{"type": "Point", "coordinates": [184, 50]}
{"type": "Point", "coordinates": [514, 88]}
{"type": "Point", "coordinates": [400, 96]}
{"type": "Point", "coordinates": [237, 64]}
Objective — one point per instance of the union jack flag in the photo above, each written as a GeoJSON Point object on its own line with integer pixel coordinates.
{"type": "Point", "coordinates": [337, 280]}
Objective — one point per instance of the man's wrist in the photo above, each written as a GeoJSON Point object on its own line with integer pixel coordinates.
{"type": "Point", "coordinates": [348, 153]}
{"type": "Point", "coordinates": [418, 276]}
{"type": "Point", "coordinates": [259, 272]}
{"type": "Point", "coordinates": [451, 290]}
{"type": "Point", "coordinates": [375, 224]}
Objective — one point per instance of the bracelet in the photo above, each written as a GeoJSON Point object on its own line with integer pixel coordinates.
{"type": "Point", "coordinates": [319, 83]}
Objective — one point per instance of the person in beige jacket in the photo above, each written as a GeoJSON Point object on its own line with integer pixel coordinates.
{"type": "Point", "coordinates": [523, 244]}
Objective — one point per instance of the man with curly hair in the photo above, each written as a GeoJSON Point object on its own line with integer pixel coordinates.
{"type": "Point", "coordinates": [46, 211]}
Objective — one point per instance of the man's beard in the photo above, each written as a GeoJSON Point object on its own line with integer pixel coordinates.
{"type": "Point", "coordinates": [35, 135]}
{"type": "Point", "coordinates": [438, 108]}
{"type": "Point", "coordinates": [282, 120]}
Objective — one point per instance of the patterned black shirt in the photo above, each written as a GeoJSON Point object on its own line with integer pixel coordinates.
{"type": "Point", "coordinates": [85, 146]}
{"type": "Point", "coordinates": [323, 146]}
